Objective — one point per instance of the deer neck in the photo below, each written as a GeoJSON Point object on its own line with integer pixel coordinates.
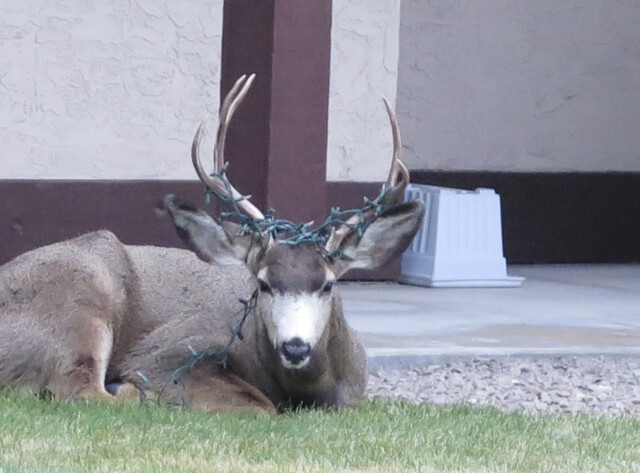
{"type": "Point", "coordinates": [334, 375]}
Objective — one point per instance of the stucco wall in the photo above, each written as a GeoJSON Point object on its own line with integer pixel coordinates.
{"type": "Point", "coordinates": [364, 64]}
{"type": "Point", "coordinates": [105, 90]}
{"type": "Point", "coordinates": [114, 90]}
{"type": "Point", "coordinates": [526, 85]}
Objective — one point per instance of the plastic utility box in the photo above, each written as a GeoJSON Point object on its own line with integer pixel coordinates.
{"type": "Point", "coordinates": [460, 241]}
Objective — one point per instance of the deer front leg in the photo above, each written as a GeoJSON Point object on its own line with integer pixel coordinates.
{"type": "Point", "coordinates": [82, 365]}
{"type": "Point", "coordinates": [215, 389]}
{"type": "Point", "coordinates": [205, 388]}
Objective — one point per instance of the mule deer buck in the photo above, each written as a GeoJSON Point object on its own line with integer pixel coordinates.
{"type": "Point", "coordinates": [91, 318]}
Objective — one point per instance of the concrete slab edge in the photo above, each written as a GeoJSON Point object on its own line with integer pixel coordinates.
{"type": "Point", "coordinates": [405, 359]}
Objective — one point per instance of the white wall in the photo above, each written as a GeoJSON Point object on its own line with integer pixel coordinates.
{"type": "Point", "coordinates": [520, 85]}
{"type": "Point", "coordinates": [105, 90]}
{"type": "Point", "coordinates": [115, 90]}
{"type": "Point", "coordinates": [364, 64]}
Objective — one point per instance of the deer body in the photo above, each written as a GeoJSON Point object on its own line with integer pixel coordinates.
{"type": "Point", "coordinates": [210, 294]}
{"type": "Point", "coordinates": [91, 317]}
{"type": "Point", "coordinates": [139, 309]}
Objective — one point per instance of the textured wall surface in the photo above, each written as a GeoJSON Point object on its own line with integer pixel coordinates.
{"type": "Point", "coordinates": [105, 90]}
{"type": "Point", "coordinates": [525, 85]}
{"type": "Point", "coordinates": [364, 64]}
{"type": "Point", "coordinates": [114, 90]}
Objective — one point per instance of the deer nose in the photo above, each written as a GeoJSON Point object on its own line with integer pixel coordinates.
{"type": "Point", "coordinates": [296, 351]}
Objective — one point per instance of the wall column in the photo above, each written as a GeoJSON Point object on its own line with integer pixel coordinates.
{"type": "Point", "coordinates": [277, 144]}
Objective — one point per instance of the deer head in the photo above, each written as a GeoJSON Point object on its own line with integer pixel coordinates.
{"type": "Point", "coordinates": [297, 295]}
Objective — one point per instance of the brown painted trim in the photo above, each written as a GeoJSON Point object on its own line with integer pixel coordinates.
{"type": "Point", "coordinates": [34, 213]}
{"type": "Point", "coordinates": [559, 217]}
{"type": "Point", "coordinates": [278, 140]}
{"type": "Point", "coordinates": [546, 218]}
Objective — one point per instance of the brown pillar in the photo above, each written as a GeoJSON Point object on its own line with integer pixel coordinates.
{"type": "Point", "coordinates": [277, 143]}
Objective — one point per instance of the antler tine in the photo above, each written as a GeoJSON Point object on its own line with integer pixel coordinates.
{"type": "Point", "coordinates": [398, 173]}
{"type": "Point", "coordinates": [397, 181]}
{"type": "Point", "coordinates": [229, 105]}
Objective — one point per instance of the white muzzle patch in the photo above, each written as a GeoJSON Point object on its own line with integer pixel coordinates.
{"type": "Point", "coordinates": [294, 366]}
{"type": "Point", "coordinates": [301, 316]}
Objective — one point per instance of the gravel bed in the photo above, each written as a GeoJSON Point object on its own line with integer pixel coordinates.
{"type": "Point", "coordinates": [598, 386]}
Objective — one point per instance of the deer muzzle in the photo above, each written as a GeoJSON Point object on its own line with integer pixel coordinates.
{"type": "Point", "coordinates": [295, 353]}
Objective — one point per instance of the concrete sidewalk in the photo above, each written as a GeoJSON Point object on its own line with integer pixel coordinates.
{"type": "Point", "coordinates": [559, 310]}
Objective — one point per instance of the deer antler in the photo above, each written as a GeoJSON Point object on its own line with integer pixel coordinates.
{"type": "Point", "coordinates": [229, 105]}
{"type": "Point", "coordinates": [395, 185]}
{"type": "Point", "coordinates": [398, 173]}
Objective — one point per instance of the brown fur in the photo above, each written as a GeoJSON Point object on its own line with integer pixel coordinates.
{"type": "Point", "coordinates": [91, 311]}
{"type": "Point", "coordinates": [152, 304]}
{"type": "Point", "coordinates": [81, 313]}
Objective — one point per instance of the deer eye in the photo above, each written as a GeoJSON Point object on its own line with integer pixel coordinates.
{"type": "Point", "coordinates": [327, 287]}
{"type": "Point", "coordinates": [264, 287]}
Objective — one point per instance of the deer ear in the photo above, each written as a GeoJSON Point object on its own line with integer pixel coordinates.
{"type": "Point", "coordinates": [213, 242]}
{"type": "Point", "coordinates": [200, 233]}
{"type": "Point", "coordinates": [383, 240]}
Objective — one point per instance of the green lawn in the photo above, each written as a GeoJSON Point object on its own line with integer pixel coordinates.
{"type": "Point", "coordinates": [50, 436]}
